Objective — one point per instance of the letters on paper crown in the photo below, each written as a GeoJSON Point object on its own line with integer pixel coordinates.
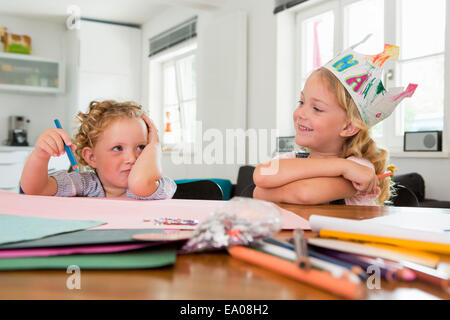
{"type": "Point", "coordinates": [361, 75]}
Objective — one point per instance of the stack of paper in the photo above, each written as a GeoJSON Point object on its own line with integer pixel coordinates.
{"type": "Point", "coordinates": [42, 243]}
{"type": "Point", "coordinates": [44, 232]}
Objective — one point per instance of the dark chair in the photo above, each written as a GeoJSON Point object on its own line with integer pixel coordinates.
{"type": "Point", "coordinates": [415, 183]}
{"type": "Point", "coordinates": [199, 190]}
{"type": "Point", "coordinates": [245, 185]}
{"type": "Point", "coordinates": [404, 197]}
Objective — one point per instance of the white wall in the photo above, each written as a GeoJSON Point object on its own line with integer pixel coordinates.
{"type": "Point", "coordinates": [259, 85]}
{"type": "Point", "coordinates": [47, 40]}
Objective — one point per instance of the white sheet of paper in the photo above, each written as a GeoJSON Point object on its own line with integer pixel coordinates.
{"type": "Point", "coordinates": [400, 226]}
{"type": "Point", "coordinates": [427, 221]}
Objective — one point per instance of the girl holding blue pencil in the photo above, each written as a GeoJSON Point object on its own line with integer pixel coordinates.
{"type": "Point", "coordinates": [118, 148]}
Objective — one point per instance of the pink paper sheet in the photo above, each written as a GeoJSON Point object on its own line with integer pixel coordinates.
{"type": "Point", "coordinates": [123, 213]}
{"type": "Point", "coordinates": [47, 252]}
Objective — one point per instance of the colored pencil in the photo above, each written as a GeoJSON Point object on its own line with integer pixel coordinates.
{"type": "Point", "coordinates": [287, 254]}
{"type": "Point", "coordinates": [314, 254]}
{"type": "Point", "coordinates": [301, 249]}
{"type": "Point", "coordinates": [324, 280]}
{"type": "Point", "coordinates": [72, 160]}
{"type": "Point", "coordinates": [398, 271]}
{"type": "Point", "coordinates": [380, 251]}
{"type": "Point", "coordinates": [430, 275]}
{"type": "Point", "coordinates": [384, 175]}
{"type": "Point", "coordinates": [413, 244]}
{"type": "Point", "coordinates": [385, 273]}
{"type": "Point", "coordinates": [276, 242]}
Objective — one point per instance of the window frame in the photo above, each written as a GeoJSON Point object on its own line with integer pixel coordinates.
{"type": "Point", "coordinates": [156, 88]}
{"type": "Point", "coordinates": [390, 139]}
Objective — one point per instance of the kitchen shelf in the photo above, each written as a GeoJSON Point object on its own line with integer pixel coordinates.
{"type": "Point", "coordinates": [26, 73]}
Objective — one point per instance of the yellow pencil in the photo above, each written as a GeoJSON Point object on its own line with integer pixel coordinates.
{"type": "Point", "coordinates": [411, 244]}
{"type": "Point", "coordinates": [383, 251]}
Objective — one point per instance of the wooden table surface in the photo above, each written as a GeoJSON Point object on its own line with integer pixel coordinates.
{"type": "Point", "coordinates": [208, 275]}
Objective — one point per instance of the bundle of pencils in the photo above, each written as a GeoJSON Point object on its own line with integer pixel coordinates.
{"type": "Point", "coordinates": [342, 266]}
{"type": "Point", "coordinates": [299, 263]}
{"type": "Point", "coordinates": [395, 262]}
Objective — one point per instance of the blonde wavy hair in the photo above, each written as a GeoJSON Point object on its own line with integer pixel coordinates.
{"type": "Point", "coordinates": [361, 144]}
{"type": "Point", "coordinates": [94, 122]}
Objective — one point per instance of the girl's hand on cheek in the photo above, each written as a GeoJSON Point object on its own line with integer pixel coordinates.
{"type": "Point", "coordinates": [153, 137]}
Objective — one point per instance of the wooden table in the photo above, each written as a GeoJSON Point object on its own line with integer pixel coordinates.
{"type": "Point", "coordinates": [207, 276]}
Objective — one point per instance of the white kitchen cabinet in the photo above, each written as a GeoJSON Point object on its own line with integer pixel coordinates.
{"type": "Point", "coordinates": [12, 161]}
{"type": "Point", "coordinates": [27, 73]}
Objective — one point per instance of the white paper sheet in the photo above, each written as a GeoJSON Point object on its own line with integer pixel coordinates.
{"type": "Point", "coordinates": [415, 226]}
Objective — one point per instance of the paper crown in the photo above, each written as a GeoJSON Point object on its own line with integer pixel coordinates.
{"type": "Point", "coordinates": [361, 76]}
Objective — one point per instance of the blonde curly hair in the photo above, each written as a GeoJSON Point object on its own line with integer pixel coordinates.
{"type": "Point", "coordinates": [94, 122]}
{"type": "Point", "coordinates": [361, 144]}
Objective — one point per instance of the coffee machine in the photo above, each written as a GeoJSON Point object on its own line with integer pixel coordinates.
{"type": "Point", "coordinates": [18, 131]}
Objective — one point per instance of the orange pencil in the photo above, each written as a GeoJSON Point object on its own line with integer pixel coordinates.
{"type": "Point", "coordinates": [384, 175]}
{"type": "Point", "coordinates": [322, 279]}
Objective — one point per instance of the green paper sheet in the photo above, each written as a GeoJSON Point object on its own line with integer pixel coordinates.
{"type": "Point", "coordinates": [139, 259]}
{"type": "Point", "coordinates": [81, 238]}
{"type": "Point", "coordinates": [19, 228]}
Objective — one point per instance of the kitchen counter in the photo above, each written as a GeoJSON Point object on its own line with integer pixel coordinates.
{"type": "Point", "coordinates": [12, 161]}
{"type": "Point", "coordinates": [14, 148]}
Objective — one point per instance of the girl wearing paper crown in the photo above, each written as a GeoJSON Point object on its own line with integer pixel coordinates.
{"type": "Point", "coordinates": [340, 102]}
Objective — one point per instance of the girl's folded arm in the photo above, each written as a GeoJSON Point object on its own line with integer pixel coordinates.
{"type": "Point", "coordinates": [308, 191]}
{"type": "Point", "coordinates": [279, 172]}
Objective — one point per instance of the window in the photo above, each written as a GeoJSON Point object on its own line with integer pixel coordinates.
{"type": "Point", "coordinates": [179, 100]}
{"type": "Point", "coordinates": [422, 61]}
{"type": "Point", "coordinates": [173, 95]}
{"type": "Point", "coordinates": [317, 42]}
{"type": "Point", "coordinates": [418, 27]}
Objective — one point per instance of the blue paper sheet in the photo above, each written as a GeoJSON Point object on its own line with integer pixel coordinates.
{"type": "Point", "coordinates": [19, 228]}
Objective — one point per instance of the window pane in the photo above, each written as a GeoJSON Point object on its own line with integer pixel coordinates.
{"type": "Point", "coordinates": [425, 110]}
{"type": "Point", "coordinates": [357, 28]}
{"type": "Point", "coordinates": [170, 85]}
{"type": "Point", "coordinates": [186, 67]}
{"type": "Point", "coordinates": [317, 42]}
{"type": "Point", "coordinates": [422, 27]}
{"type": "Point", "coordinates": [188, 115]}
{"type": "Point", "coordinates": [172, 125]}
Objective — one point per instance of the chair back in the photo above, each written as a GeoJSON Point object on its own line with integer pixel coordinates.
{"type": "Point", "coordinates": [199, 190]}
{"type": "Point", "coordinates": [245, 185]}
{"type": "Point", "coordinates": [405, 197]}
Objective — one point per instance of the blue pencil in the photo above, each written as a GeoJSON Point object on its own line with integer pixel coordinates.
{"type": "Point", "coordinates": [72, 160]}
